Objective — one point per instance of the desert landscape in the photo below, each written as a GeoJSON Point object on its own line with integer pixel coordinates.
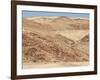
{"type": "Point", "coordinates": [55, 41]}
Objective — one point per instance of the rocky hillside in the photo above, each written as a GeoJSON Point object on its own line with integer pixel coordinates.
{"type": "Point", "coordinates": [41, 44]}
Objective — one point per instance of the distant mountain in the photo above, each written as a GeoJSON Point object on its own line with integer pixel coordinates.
{"type": "Point", "coordinates": [62, 18]}
{"type": "Point", "coordinates": [56, 23]}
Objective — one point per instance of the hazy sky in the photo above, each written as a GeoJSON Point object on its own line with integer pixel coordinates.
{"type": "Point", "coordinates": [44, 13]}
